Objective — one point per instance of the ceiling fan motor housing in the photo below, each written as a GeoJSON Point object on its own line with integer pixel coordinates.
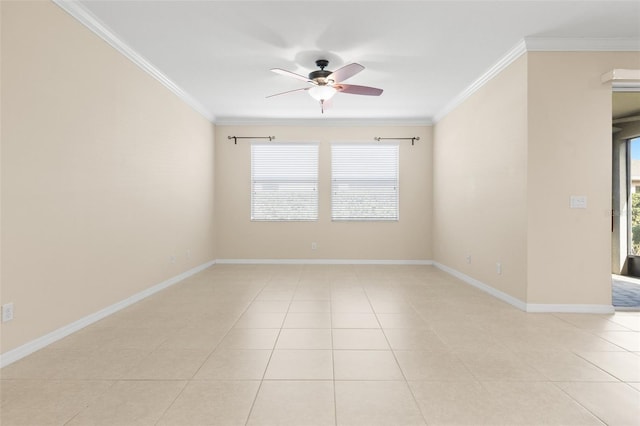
{"type": "Point", "coordinates": [320, 76]}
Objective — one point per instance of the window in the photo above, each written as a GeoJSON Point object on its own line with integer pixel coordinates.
{"type": "Point", "coordinates": [364, 182]}
{"type": "Point", "coordinates": [284, 182]}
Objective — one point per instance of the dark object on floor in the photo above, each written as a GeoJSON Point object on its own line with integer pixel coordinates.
{"type": "Point", "coordinates": [633, 266]}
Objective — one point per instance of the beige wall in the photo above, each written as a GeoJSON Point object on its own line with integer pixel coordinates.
{"type": "Point", "coordinates": [480, 166]}
{"type": "Point", "coordinates": [512, 155]}
{"type": "Point", "coordinates": [239, 238]}
{"type": "Point", "coordinates": [570, 153]}
{"type": "Point", "coordinates": [105, 175]}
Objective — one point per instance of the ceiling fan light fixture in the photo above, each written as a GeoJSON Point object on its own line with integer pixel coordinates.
{"type": "Point", "coordinates": [322, 93]}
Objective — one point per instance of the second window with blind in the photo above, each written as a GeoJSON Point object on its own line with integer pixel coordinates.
{"type": "Point", "coordinates": [364, 182]}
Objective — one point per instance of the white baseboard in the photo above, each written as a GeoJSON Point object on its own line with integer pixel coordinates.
{"type": "Point", "coordinates": [523, 306]}
{"type": "Point", "coordinates": [482, 286]}
{"type": "Point", "coordinates": [320, 262]}
{"type": "Point", "coordinates": [39, 343]}
{"type": "Point", "coordinates": [570, 308]}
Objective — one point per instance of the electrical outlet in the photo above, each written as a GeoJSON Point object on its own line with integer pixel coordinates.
{"type": "Point", "coordinates": [499, 268]}
{"type": "Point", "coordinates": [7, 312]}
{"type": "Point", "coordinates": [188, 253]}
{"type": "Point", "coordinates": [468, 258]}
{"type": "Point", "coordinates": [172, 259]}
{"type": "Point", "coordinates": [314, 246]}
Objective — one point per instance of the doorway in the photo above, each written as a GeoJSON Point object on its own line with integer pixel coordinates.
{"type": "Point", "coordinates": [625, 223]}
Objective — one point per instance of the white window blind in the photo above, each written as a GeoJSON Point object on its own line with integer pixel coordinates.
{"type": "Point", "coordinates": [284, 182]}
{"type": "Point", "coordinates": [364, 182]}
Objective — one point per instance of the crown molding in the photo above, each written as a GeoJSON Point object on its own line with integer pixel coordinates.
{"type": "Point", "coordinates": [577, 44]}
{"type": "Point", "coordinates": [320, 122]}
{"type": "Point", "coordinates": [77, 11]}
{"type": "Point", "coordinates": [541, 44]}
{"type": "Point", "coordinates": [623, 80]}
{"type": "Point", "coordinates": [506, 60]}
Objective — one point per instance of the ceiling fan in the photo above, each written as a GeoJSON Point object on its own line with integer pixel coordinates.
{"type": "Point", "coordinates": [325, 83]}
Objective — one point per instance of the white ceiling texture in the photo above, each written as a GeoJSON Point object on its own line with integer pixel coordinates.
{"type": "Point", "coordinates": [425, 54]}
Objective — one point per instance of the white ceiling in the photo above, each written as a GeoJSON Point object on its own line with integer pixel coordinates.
{"type": "Point", "coordinates": [422, 53]}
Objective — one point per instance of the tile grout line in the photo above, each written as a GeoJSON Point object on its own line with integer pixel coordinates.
{"type": "Point", "coordinates": [578, 402]}
{"type": "Point", "coordinates": [406, 382]}
{"type": "Point", "coordinates": [275, 343]}
{"type": "Point", "coordinates": [164, 412]}
{"type": "Point", "coordinates": [619, 380]}
{"type": "Point", "coordinates": [333, 358]}
{"type": "Point", "coordinates": [192, 379]}
{"type": "Point", "coordinates": [226, 334]}
{"type": "Point", "coordinates": [113, 382]}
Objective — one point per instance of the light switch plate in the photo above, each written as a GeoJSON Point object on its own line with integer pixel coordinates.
{"type": "Point", "coordinates": [578, 202]}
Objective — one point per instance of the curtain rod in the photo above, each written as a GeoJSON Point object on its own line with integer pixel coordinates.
{"type": "Point", "coordinates": [235, 138]}
{"type": "Point", "coordinates": [413, 139]}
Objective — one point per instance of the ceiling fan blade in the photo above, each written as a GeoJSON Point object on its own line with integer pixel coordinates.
{"type": "Point", "coordinates": [358, 90]}
{"type": "Point", "coordinates": [289, 91]}
{"type": "Point", "coordinates": [348, 71]}
{"type": "Point", "coordinates": [290, 74]}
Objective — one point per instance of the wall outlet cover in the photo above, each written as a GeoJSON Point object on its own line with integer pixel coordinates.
{"type": "Point", "coordinates": [7, 312]}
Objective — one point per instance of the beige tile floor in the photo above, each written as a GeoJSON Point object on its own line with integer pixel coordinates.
{"type": "Point", "coordinates": [331, 345]}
